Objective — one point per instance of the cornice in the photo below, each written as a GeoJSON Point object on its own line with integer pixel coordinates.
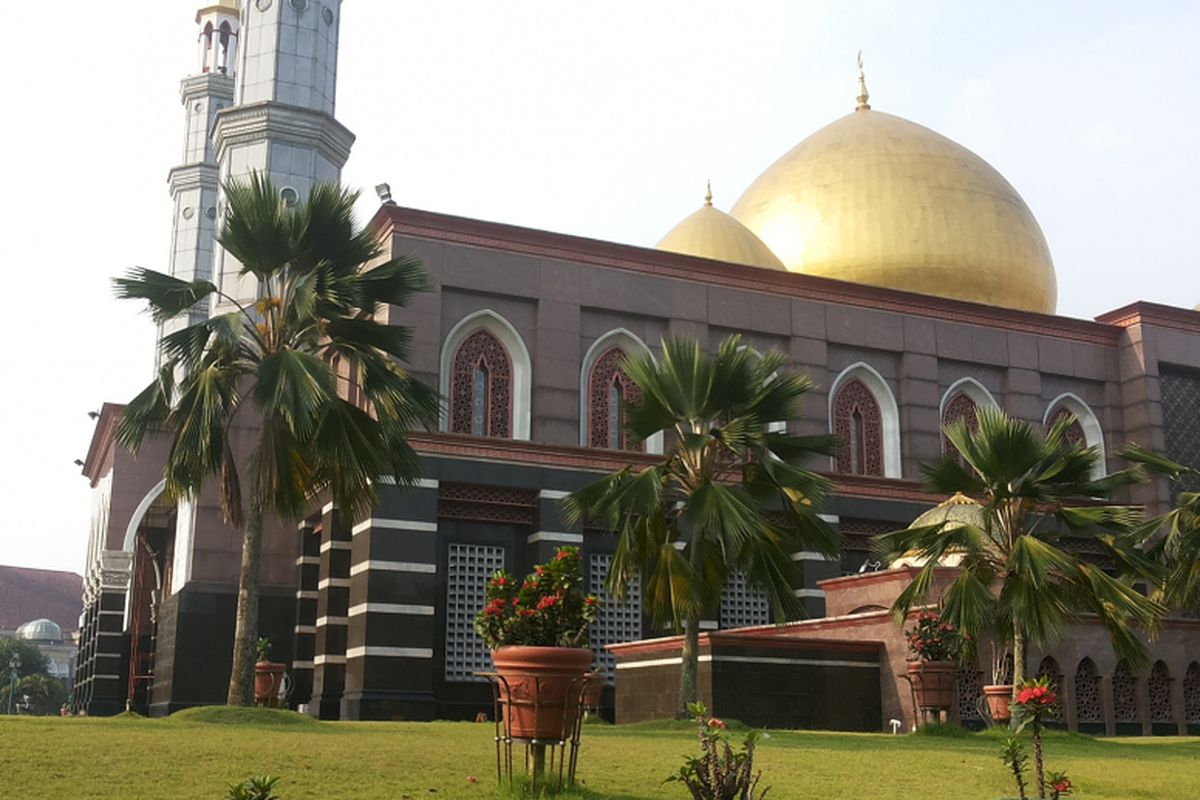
{"type": "Point", "coordinates": [208, 85]}
{"type": "Point", "coordinates": [269, 120]}
{"type": "Point", "coordinates": [401, 221]}
{"type": "Point", "coordinates": [200, 175]}
{"type": "Point", "coordinates": [584, 459]}
{"type": "Point", "coordinates": [102, 439]}
{"type": "Point", "coordinates": [1153, 315]}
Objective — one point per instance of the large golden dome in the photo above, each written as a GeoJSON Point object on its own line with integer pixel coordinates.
{"type": "Point", "coordinates": [876, 199]}
{"type": "Point", "coordinates": [711, 233]}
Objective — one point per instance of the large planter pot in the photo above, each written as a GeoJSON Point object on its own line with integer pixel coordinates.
{"type": "Point", "coordinates": [268, 677]}
{"type": "Point", "coordinates": [933, 682]}
{"type": "Point", "coordinates": [999, 696]}
{"type": "Point", "coordinates": [540, 689]}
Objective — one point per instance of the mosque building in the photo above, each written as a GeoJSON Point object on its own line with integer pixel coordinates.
{"type": "Point", "coordinates": [899, 271]}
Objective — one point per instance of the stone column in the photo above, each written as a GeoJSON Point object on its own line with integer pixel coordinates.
{"type": "Point", "coordinates": [1179, 705]}
{"type": "Point", "coordinates": [550, 532]}
{"type": "Point", "coordinates": [814, 567]}
{"type": "Point", "coordinates": [333, 594]}
{"type": "Point", "coordinates": [392, 631]}
{"type": "Point", "coordinates": [1106, 702]}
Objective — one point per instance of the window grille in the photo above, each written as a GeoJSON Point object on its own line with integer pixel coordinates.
{"type": "Point", "coordinates": [467, 571]}
{"type": "Point", "coordinates": [617, 621]}
{"type": "Point", "coordinates": [741, 604]}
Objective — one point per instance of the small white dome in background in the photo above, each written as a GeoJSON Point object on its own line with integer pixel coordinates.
{"type": "Point", "coordinates": [40, 630]}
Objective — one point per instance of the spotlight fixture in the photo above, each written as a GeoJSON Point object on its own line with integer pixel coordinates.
{"type": "Point", "coordinates": [94, 414]}
{"type": "Point", "coordinates": [79, 462]}
{"type": "Point", "coordinates": [384, 191]}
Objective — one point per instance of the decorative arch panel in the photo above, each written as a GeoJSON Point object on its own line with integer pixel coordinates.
{"type": "Point", "coordinates": [1191, 694]}
{"type": "Point", "coordinates": [858, 424]}
{"type": "Point", "coordinates": [1074, 435]}
{"type": "Point", "coordinates": [960, 407]}
{"type": "Point", "coordinates": [608, 388]}
{"type": "Point", "coordinates": [481, 386]}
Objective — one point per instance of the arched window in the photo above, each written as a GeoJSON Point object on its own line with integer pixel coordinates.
{"type": "Point", "coordinates": [1074, 435]}
{"type": "Point", "coordinates": [486, 376]}
{"type": "Point", "coordinates": [960, 407]}
{"type": "Point", "coordinates": [1084, 431]}
{"type": "Point", "coordinates": [1191, 694]}
{"type": "Point", "coordinates": [1088, 707]}
{"type": "Point", "coordinates": [1124, 688]}
{"type": "Point", "coordinates": [863, 415]}
{"type": "Point", "coordinates": [858, 424]}
{"type": "Point", "coordinates": [481, 387]}
{"type": "Point", "coordinates": [608, 387]}
{"type": "Point", "coordinates": [1159, 686]}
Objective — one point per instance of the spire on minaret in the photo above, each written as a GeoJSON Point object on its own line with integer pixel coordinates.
{"type": "Point", "coordinates": [863, 94]}
{"type": "Point", "coordinates": [708, 193]}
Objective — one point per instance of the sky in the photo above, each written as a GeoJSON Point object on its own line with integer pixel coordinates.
{"type": "Point", "coordinates": [595, 119]}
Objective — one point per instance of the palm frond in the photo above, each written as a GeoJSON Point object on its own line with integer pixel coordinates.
{"type": "Point", "coordinates": [166, 296]}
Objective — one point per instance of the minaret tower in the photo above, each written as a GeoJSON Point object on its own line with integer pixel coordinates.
{"type": "Point", "coordinates": [194, 183]}
{"type": "Point", "coordinates": [282, 123]}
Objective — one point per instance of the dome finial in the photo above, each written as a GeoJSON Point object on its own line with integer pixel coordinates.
{"type": "Point", "coordinates": [708, 193]}
{"type": "Point", "coordinates": [863, 94]}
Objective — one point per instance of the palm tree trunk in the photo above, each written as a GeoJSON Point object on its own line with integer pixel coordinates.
{"type": "Point", "coordinates": [689, 666]}
{"type": "Point", "coordinates": [241, 680]}
{"type": "Point", "coordinates": [1018, 665]}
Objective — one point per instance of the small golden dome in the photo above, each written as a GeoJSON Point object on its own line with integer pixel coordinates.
{"type": "Point", "coordinates": [876, 199]}
{"type": "Point", "coordinates": [711, 233]}
{"type": "Point", "coordinates": [953, 513]}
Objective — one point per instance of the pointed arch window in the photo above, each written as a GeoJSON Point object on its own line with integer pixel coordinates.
{"type": "Point", "coordinates": [960, 407]}
{"type": "Point", "coordinates": [481, 387]}
{"type": "Point", "coordinates": [858, 424]}
{"type": "Point", "coordinates": [1074, 435]}
{"type": "Point", "coordinates": [608, 388]}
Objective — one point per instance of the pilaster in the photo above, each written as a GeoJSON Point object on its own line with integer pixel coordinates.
{"type": "Point", "coordinates": [333, 595]}
{"type": "Point", "coordinates": [392, 632]}
{"type": "Point", "coordinates": [308, 571]}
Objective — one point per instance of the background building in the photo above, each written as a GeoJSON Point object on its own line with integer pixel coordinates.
{"type": "Point", "coordinates": [898, 270]}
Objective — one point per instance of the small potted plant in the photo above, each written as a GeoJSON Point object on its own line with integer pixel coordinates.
{"type": "Point", "coordinates": [933, 646]}
{"type": "Point", "coordinates": [537, 631]}
{"type": "Point", "coordinates": [999, 692]}
{"type": "Point", "coordinates": [268, 675]}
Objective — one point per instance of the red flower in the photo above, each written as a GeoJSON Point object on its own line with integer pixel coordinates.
{"type": "Point", "coordinates": [499, 580]}
{"type": "Point", "coordinates": [562, 555]}
{"type": "Point", "coordinates": [540, 570]}
{"type": "Point", "coordinates": [713, 722]}
{"type": "Point", "coordinates": [546, 602]}
{"type": "Point", "coordinates": [590, 600]}
{"type": "Point", "coordinates": [526, 612]}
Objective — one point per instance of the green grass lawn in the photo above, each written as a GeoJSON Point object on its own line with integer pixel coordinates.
{"type": "Point", "coordinates": [183, 758]}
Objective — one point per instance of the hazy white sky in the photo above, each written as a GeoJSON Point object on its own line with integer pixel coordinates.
{"type": "Point", "coordinates": [598, 119]}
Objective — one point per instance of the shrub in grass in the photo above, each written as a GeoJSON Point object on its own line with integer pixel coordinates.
{"type": "Point", "coordinates": [254, 788]}
{"type": "Point", "coordinates": [1036, 702]}
{"type": "Point", "coordinates": [720, 772]}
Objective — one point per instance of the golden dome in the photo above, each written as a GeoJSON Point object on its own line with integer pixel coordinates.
{"type": "Point", "coordinates": [876, 199]}
{"type": "Point", "coordinates": [952, 513]}
{"type": "Point", "coordinates": [710, 233]}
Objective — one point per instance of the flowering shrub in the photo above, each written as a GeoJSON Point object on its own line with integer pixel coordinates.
{"type": "Point", "coordinates": [932, 639]}
{"type": "Point", "coordinates": [547, 609]}
{"type": "Point", "coordinates": [719, 773]}
{"type": "Point", "coordinates": [1036, 702]}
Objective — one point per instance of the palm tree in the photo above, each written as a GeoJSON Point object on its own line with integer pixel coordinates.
{"type": "Point", "coordinates": [730, 495]}
{"type": "Point", "coordinates": [1173, 539]}
{"type": "Point", "coordinates": [1015, 581]}
{"type": "Point", "coordinates": [268, 366]}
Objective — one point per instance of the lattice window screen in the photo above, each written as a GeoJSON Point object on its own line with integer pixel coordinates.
{"type": "Point", "coordinates": [1160, 694]}
{"type": "Point", "coordinates": [467, 570]}
{"type": "Point", "coordinates": [1181, 424]}
{"type": "Point", "coordinates": [968, 686]}
{"type": "Point", "coordinates": [616, 622]}
{"type": "Point", "coordinates": [1124, 689]}
{"type": "Point", "coordinates": [741, 604]}
{"type": "Point", "coordinates": [1191, 694]}
{"type": "Point", "coordinates": [1088, 706]}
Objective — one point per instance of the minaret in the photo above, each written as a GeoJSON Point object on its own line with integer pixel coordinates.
{"type": "Point", "coordinates": [194, 183]}
{"type": "Point", "coordinates": [282, 123]}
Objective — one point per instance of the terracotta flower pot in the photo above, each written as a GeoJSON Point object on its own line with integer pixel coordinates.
{"type": "Point", "coordinates": [540, 689]}
{"type": "Point", "coordinates": [933, 682]}
{"type": "Point", "coordinates": [268, 677]}
{"type": "Point", "coordinates": [999, 696]}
